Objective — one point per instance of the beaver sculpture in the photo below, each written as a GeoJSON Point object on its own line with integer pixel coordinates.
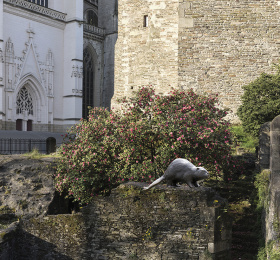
{"type": "Point", "coordinates": [181, 170]}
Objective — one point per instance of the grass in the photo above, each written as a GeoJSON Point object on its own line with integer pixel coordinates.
{"type": "Point", "coordinates": [35, 154]}
{"type": "Point", "coordinates": [244, 140]}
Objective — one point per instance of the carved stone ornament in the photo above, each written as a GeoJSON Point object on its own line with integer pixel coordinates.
{"type": "Point", "coordinates": [1, 56]}
{"type": "Point", "coordinates": [24, 102]}
{"type": "Point", "coordinates": [9, 51]}
{"type": "Point", "coordinates": [38, 9]}
{"type": "Point", "coordinates": [77, 71]}
{"type": "Point", "coordinates": [16, 66]}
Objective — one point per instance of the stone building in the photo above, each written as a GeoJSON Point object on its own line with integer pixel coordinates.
{"type": "Point", "coordinates": [56, 59]}
{"type": "Point", "coordinates": [211, 46]}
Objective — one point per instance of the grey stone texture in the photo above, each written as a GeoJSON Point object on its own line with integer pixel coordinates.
{"type": "Point", "coordinates": [108, 19]}
{"type": "Point", "coordinates": [167, 223]}
{"type": "Point", "coordinates": [273, 214]}
{"type": "Point", "coordinates": [269, 160]}
{"type": "Point", "coordinates": [275, 148]}
{"type": "Point", "coordinates": [214, 46]}
{"type": "Point", "coordinates": [26, 185]}
{"type": "Point", "coordinates": [264, 146]}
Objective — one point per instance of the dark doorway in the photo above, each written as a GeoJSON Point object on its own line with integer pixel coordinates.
{"type": "Point", "coordinates": [19, 124]}
{"type": "Point", "coordinates": [51, 145]}
{"type": "Point", "coordinates": [29, 125]}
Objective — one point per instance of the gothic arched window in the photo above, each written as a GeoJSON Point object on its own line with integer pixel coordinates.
{"type": "Point", "coordinates": [24, 102]}
{"type": "Point", "coordinates": [92, 18]}
{"type": "Point", "coordinates": [88, 82]}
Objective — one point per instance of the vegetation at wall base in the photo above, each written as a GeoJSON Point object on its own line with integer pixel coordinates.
{"type": "Point", "coordinates": [35, 154]}
{"type": "Point", "coordinates": [260, 102]}
{"type": "Point", "coordinates": [270, 251]}
{"type": "Point", "coordinates": [245, 141]}
{"type": "Point", "coordinates": [137, 142]}
{"type": "Point", "coordinates": [241, 194]}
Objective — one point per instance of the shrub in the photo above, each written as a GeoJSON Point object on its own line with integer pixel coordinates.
{"type": "Point", "coordinates": [260, 102]}
{"type": "Point", "coordinates": [139, 141]}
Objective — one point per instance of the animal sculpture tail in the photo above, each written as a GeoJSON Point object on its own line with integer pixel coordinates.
{"type": "Point", "coordinates": [157, 181]}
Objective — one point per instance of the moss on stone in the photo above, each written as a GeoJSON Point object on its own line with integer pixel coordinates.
{"type": "Point", "coordinates": [4, 209]}
{"type": "Point", "coordinates": [2, 235]}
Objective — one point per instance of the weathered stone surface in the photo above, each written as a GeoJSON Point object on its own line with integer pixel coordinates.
{"type": "Point", "coordinates": [164, 223]}
{"type": "Point", "coordinates": [272, 215]}
{"type": "Point", "coordinates": [275, 148]}
{"type": "Point", "coordinates": [26, 185]}
{"type": "Point", "coordinates": [213, 46]}
{"type": "Point", "coordinates": [264, 146]}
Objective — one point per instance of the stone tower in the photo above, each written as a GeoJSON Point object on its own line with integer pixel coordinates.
{"type": "Point", "coordinates": [213, 46]}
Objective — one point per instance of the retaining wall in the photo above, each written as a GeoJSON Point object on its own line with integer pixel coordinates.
{"type": "Point", "coordinates": [162, 223]}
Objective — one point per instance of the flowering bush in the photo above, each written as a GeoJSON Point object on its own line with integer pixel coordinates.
{"type": "Point", "coordinates": [139, 141]}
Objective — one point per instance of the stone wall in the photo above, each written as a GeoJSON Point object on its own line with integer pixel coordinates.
{"type": "Point", "coordinates": [211, 46]}
{"type": "Point", "coordinates": [264, 146]}
{"type": "Point", "coordinates": [108, 19]}
{"type": "Point", "coordinates": [146, 55]}
{"type": "Point", "coordinates": [162, 223]}
{"type": "Point", "coordinates": [269, 164]}
{"type": "Point", "coordinates": [273, 212]}
{"type": "Point", "coordinates": [229, 45]}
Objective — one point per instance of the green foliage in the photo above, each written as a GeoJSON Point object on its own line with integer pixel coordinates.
{"type": "Point", "coordinates": [270, 251]}
{"type": "Point", "coordinates": [34, 154]}
{"type": "Point", "coordinates": [245, 140]}
{"type": "Point", "coordinates": [139, 141]}
{"type": "Point", "coordinates": [260, 102]}
{"type": "Point", "coordinates": [262, 185]}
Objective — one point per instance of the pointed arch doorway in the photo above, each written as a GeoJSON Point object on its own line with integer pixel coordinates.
{"type": "Point", "coordinates": [24, 110]}
{"type": "Point", "coordinates": [30, 105]}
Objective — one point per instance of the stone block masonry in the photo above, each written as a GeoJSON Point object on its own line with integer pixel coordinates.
{"type": "Point", "coordinates": [131, 223]}
{"type": "Point", "coordinates": [273, 211]}
{"type": "Point", "coordinates": [214, 46]}
{"type": "Point", "coordinates": [146, 51]}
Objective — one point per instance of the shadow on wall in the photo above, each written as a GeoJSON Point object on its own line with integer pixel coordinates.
{"type": "Point", "coordinates": [131, 223]}
{"type": "Point", "coordinates": [25, 246]}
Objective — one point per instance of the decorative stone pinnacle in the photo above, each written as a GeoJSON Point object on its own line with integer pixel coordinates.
{"type": "Point", "coordinates": [31, 32]}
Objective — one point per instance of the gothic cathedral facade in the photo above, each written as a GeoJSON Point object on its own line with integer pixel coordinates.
{"type": "Point", "coordinates": [56, 60]}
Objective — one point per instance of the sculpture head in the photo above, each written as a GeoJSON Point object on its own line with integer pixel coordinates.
{"type": "Point", "coordinates": [202, 173]}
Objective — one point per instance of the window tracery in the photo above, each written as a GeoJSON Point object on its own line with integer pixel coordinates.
{"type": "Point", "coordinates": [24, 102]}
